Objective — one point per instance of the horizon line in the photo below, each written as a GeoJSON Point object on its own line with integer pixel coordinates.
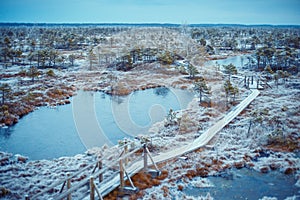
{"type": "Point", "coordinates": [146, 23]}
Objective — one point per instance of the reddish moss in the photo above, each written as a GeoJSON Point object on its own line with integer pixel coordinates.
{"type": "Point", "coordinates": [180, 187]}
{"type": "Point", "coordinates": [163, 175]}
{"type": "Point", "coordinates": [165, 189]}
{"type": "Point", "coordinates": [289, 170]}
{"type": "Point", "coordinates": [274, 166]}
{"type": "Point", "coordinates": [202, 171]}
{"type": "Point", "coordinates": [264, 169]}
{"type": "Point", "coordinates": [239, 164]}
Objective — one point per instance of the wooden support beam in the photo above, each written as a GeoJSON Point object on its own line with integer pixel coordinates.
{"type": "Point", "coordinates": [98, 193]}
{"type": "Point", "coordinates": [145, 158]}
{"type": "Point", "coordinates": [151, 159]}
{"type": "Point", "coordinates": [62, 188]}
{"type": "Point", "coordinates": [100, 165]}
{"type": "Point", "coordinates": [122, 182]}
{"type": "Point", "coordinates": [128, 177]}
{"type": "Point", "coordinates": [69, 186]}
{"type": "Point", "coordinates": [92, 188]}
{"type": "Point", "coordinates": [126, 151]}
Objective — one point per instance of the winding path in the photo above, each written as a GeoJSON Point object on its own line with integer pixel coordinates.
{"type": "Point", "coordinates": [202, 140]}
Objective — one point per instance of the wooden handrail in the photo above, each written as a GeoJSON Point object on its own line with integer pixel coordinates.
{"type": "Point", "coordinates": [86, 180]}
{"type": "Point", "coordinates": [63, 181]}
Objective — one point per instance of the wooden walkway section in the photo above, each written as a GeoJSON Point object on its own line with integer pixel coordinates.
{"type": "Point", "coordinates": [105, 186]}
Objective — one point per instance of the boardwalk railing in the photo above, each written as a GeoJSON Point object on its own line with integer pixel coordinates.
{"type": "Point", "coordinates": [89, 182]}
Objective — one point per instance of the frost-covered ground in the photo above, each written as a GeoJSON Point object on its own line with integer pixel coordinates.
{"type": "Point", "coordinates": [20, 177]}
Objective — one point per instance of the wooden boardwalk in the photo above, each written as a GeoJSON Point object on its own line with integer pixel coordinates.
{"type": "Point", "coordinates": [201, 141]}
{"type": "Point", "coordinates": [109, 184]}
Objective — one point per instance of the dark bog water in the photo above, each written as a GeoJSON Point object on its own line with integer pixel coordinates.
{"type": "Point", "coordinates": [249, 184]}
{"type": "Point", "coordinates": [92, 119]}
{"type": "Point", "coordinates": [43, 134]}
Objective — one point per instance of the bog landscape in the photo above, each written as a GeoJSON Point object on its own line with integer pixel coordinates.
{"type": "Point", "coordinates": [149, 111]}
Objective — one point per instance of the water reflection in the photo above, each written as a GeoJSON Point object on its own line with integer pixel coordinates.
{"type": "Point", "coordinates": [117, 99]}
{"type": "Point", "coordinates": [5, 133]}
{"type": "Point", "coordinates": [161, 91]}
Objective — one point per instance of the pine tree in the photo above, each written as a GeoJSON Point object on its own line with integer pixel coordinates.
{"type": "Point", "coordinates": [201, 88]}
{"type": "Point", "coordinates": [5, 90]}
{"type": "Point", "coordinates": [230, 69]}
{"type": "Point", "coordinates": [230, 92]}
{"type": "Point", "coordinates": [33, 73]}
{"type": "Point", "coordinates": [192, 70]}
{"type": "Point", "coordinates": [92, 58]}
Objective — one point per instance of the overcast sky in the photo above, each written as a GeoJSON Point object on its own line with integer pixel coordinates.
{"type": "Point", "coordinates": [152, 11]}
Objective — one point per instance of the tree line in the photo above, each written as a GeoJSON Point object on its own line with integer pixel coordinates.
{"type": "Point", "coordinates": [41, 46]}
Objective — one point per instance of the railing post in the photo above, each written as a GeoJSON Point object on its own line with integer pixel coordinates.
{"type": "Point", "coordinates": [149, 154]}
{"type": "Point", "coordinates": [248, 82]}
{"type": "Point", "coordinates": [122, 183]}
{"type": "Point", "coordinates": [69, 186]}
{"type": "Point", "coordinates": [92, 188]}
{"type": "Point", "coordinates": [126, 151]}
{"type": "Point", "coordinates": [145, 158]}
{"type": "Point", "coordinates": [100, 165]}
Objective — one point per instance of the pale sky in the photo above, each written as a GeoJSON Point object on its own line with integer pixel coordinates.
{"type": "Point", "coordinates": [276, 12]}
